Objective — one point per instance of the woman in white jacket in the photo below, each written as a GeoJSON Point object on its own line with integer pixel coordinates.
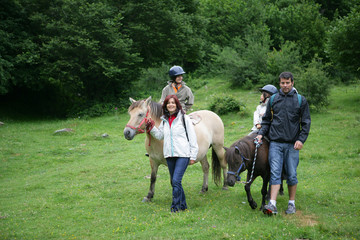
{"type": "Point", "coordinates": [180, 146]}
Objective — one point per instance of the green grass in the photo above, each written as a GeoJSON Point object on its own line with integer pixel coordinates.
{"type": "Point", "coordinates": [80, 185]}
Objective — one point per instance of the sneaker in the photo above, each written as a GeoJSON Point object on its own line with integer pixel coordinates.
{"type": "Point", "coordinates": [291, 209]}
{"type": "Point", "coordinates": [270, 209]}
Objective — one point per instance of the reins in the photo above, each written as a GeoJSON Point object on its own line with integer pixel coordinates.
{"type": "Point", "coordinates": [237, 173]}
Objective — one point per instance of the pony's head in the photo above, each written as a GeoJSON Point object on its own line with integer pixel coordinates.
{"type": "Point", "coordinates": [139, 112]}
{"type": "Point", "coordinates": [237, 157]}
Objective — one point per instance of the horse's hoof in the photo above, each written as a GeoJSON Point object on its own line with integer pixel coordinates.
{"type": "Point", "coordinates": [225, 188]}
{"type": "Point", "coordinates": [203, 190]}
{"type": "Point", "coordinates": [146, 200]}
{"type": "Point", "coordinates": [253, 205]}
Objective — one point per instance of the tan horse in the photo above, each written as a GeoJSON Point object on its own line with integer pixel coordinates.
{"type": "Point", "coordinates": [209, 130]}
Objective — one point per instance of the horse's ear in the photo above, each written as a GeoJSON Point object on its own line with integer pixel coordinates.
{"type": "Point", "coordinates": [237, 150]}
{"type": "Point", "coordinates": [132, 100]}
{"type": "Point", "coordinates": [225, 148]}
{"type": "Point", "coordinates": [148, 100]}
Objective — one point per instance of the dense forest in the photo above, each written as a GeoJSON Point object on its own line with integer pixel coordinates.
{"type": "Point", "coordinates": [71, 57]}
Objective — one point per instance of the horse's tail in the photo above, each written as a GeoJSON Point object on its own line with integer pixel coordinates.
{"type": "Point", "coordinates": [216, 168]}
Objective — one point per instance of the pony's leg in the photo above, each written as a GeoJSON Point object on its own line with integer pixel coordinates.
{"type": "Point", "coordinates": [220, 157]}
{"type": "Point", "coordinates": [264, 191]}
{"type": "Point", "coordinates": [205, 168]}
{"type": "Point", "coordinates": [283, 177]}
{"type": "Point", "coordinates": [154, 169]}
{"type": "Point", "coordinates": [281, 191]}
{"type": "Point", "coordinates": [251, 201]}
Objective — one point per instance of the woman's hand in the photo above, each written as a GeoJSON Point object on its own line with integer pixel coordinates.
{"type": "Point", "coordinates": [149, 125]}
{"type": "Point", "coordinates": [192, 162]}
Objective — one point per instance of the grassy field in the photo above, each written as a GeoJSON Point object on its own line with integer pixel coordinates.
{"type": "Point", "coordinates": [80, 185]}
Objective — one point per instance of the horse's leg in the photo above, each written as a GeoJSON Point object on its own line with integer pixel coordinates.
{"type": "Point", "coordinates": [251, 201]}
{"type": "Point", "coordinates": [264, 191]}
{"type": "Point", "coordinates": [283, 177]}
{"type": "Point", "coordinates": [154, 169]}
{"type": "Point", "coordinates": [268, 193]}
{"type": "Point", "coordinates": [281, 191]}
{"type": "Point", "coordinates": [205, 168]}
{"type": "Point", "coordinates": [220, 153]}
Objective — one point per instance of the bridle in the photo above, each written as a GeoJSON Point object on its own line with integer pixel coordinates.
{"type": "Point", "coordinates": [138, 128]}
{"type": "Point", "coordinates": [237, 173]}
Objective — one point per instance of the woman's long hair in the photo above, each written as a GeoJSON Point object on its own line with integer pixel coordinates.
{"type": "Point", "coordinates": [177, 102]}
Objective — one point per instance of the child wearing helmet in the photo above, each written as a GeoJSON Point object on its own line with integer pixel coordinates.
{"type": "Point", "coordinates": [266, 93]}
{"type": "Point", "coordinates": [176, 86]}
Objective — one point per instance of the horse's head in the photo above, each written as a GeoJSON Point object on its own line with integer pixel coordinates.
{"type": "Point", "coordinates": [236, 162]}
{"type": "Point", "coordinates": [138, 111]}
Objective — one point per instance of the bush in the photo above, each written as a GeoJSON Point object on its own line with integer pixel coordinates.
{"type": "Point", "coordinates": [278, 61]}
{"type": "Point", "coordinates": [343, 43]}
{"type": "Point", "coordinates": [154, 78]}
{"type": "Point", "coordinates": [314, 84]}
{"type": "Point", "coordinates": [243, 61]}
{"type": "Point", "coordinates": [225, 104]}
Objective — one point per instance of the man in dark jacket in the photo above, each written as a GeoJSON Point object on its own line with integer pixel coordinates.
{"type": "Point", "coordinates": [287, 124]}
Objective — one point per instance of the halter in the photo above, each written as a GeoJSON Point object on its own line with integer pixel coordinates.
{"type": "Point", "coordinates": [138, 128]}
{"type": "Point", "coordinates": [237, 174]}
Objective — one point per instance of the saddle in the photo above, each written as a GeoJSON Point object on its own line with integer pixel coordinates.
{"type": "Point", "coordinates": [195, 118]}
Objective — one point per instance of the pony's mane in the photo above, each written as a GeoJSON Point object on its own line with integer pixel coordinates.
{"type": "Point", "coordinates": [155, 107]}
{"type": "Point", "coordinates": [244, 146]}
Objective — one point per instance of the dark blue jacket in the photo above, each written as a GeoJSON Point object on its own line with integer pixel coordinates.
{"type": "Point", "coordinates": [289, 122]}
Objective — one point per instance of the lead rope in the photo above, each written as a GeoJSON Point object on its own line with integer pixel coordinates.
{"type": "Point", "coordinates": [253, 167]}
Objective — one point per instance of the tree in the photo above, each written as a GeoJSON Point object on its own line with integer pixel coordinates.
{"type": "Point", "coordinates": [343, 45]}
{"type": "Point", "coordinates": [299, 22]}
{"type": "Point", "coordinates": [332, 9]}
{"type": "Point", "coordinates": [76, 53]}
{"type": "Point", "coordinates": [13, 42]}
{"type": "Point", "coordinates": [165, 31]}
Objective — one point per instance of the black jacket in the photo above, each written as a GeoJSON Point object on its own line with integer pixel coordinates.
{"type": "Point", "coordinates": [289, 122]}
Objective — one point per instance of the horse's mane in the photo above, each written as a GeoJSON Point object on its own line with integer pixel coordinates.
{"type": "Point", "coordinates": [155, 107]}
{"type": "Point", "coordinates": [245, 146]}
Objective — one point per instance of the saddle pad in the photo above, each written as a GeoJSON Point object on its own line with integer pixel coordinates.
{"type": "Point", "coordinates": [195, 118]}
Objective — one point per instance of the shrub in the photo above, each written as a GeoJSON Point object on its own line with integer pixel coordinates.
{"type": "Point", "coordinates": [154, 78]}
{"type": "Point", "coordinates": [278, 61]}
{"type": "Point", "coordinates": [225, 104]}
{"type": "Point", "coordinates": [314, 84]}
{"type": "Point", "coordinates": [343, 43]}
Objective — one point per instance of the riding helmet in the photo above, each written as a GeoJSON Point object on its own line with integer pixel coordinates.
{"type": "Point", "coordinates": [176, 71]}
{"type": "Point", "coordinates": [271, 89]}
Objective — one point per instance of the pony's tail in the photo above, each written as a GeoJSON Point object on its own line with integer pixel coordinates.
{"type": "Point", "coordinates": [216, 168]}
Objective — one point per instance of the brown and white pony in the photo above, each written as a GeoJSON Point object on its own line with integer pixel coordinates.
{"type": "Point", "coordinates": [209, 130]}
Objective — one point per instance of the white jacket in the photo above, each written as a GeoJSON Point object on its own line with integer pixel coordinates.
{"type": "Point", "coordinates": [176, 143]}
{"type": "Point", "coordinates": [258, 114]}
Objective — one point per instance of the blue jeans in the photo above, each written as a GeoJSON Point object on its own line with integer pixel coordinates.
{"type": "Point", "coordinates": [177, 167]}
{"type": "Point", "coordinates": [283, 155]}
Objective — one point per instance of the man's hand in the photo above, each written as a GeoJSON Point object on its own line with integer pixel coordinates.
{"type": "Point", "coordinates": [259, 138]}
{"type": "Point", "coordinates": [192, 162]}
{"type": "Point", "coordinates": [298, 145]}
